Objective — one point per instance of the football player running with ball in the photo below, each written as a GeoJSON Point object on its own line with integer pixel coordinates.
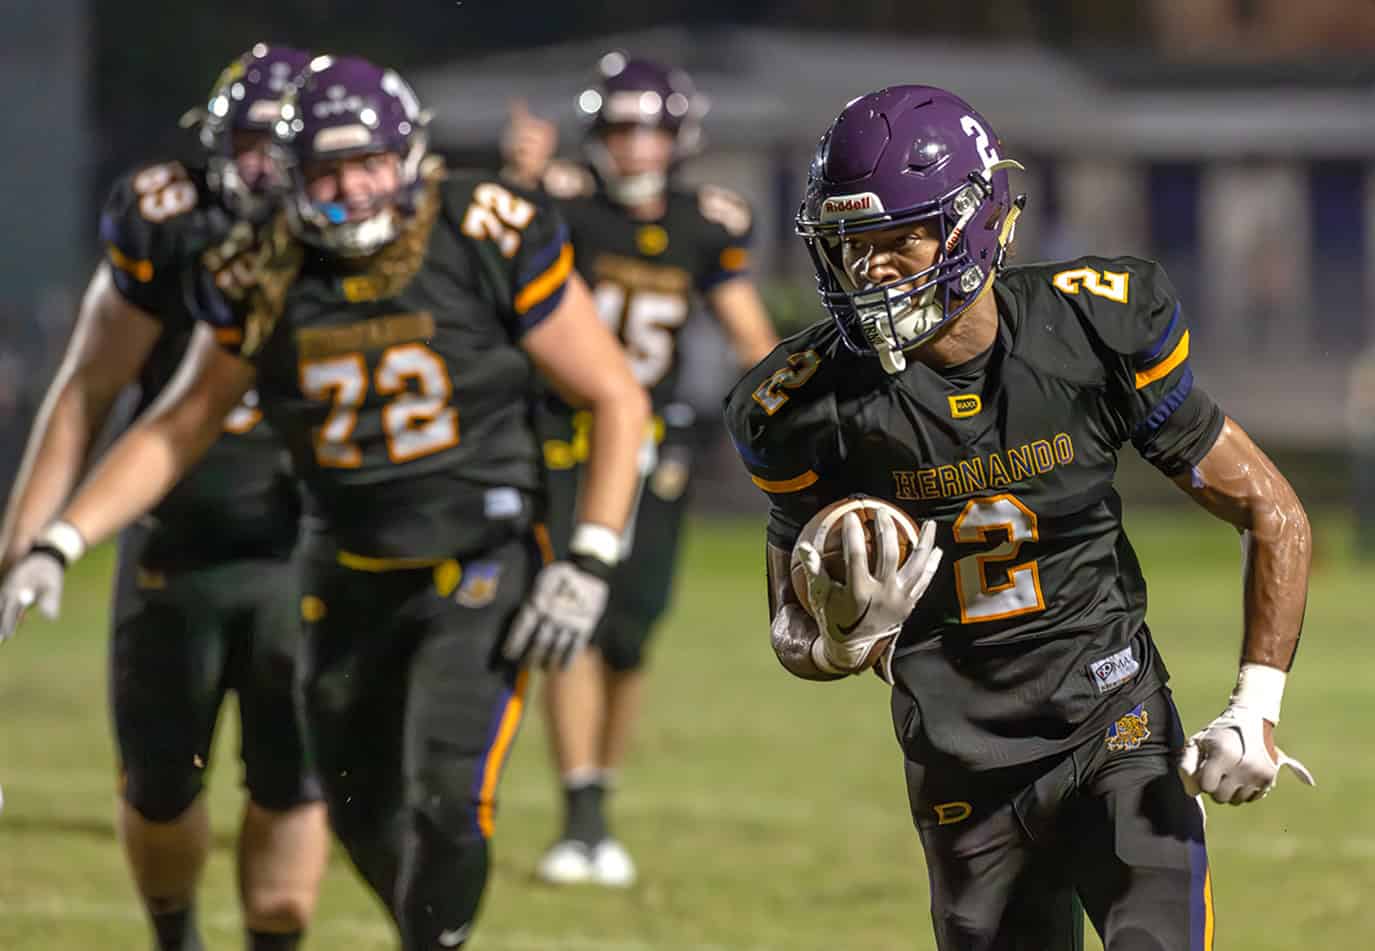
{"type": "Point", "coordinates": [1044, 756]}
{"type": "Point", "coordinates": [650, 249]}
{"type": "Point", "coordinates": [203, 601]}
{"type": "Point", "coordinates": [393, 319]}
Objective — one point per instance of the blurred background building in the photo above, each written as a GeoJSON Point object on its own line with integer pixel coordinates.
{"type": "Point", "coordinates": [1233, 140]}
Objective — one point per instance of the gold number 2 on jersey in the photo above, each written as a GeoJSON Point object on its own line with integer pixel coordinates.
{"type": "Point", "coordinates": [1109, 284]}
{"type": "Point", "coordinates": [1021, 592]}
{"type": "Point", "coordinates": [799, 370]}
{"type": "Point", "coordinates": [415, 422]}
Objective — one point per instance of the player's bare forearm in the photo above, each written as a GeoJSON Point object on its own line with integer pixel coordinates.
{"type": "Point", "coordinates": [171, 437]}
{"type": "Point", "coordinates": [619, 425]}
{"type": "Point", "coordinates": [792, 631]}
{"type": "Point", "coordinates": [587, 367]}
{"type": "Point", "coordinates": [109, 345]}
{"type": "Point", "coordinates": [1238, 483]}
{"type": "Point", "coordinates": [738, 307]}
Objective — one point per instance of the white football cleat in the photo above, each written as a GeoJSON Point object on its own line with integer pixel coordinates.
{"type": "Point", "coordinates": [612, 865]}
{"type": "Point", "coordinates": [566, 863]}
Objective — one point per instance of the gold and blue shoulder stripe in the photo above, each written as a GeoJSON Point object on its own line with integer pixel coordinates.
{"type": "Point", "coordinates": [544, 277]}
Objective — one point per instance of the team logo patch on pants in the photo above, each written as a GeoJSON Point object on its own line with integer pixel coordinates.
{"type": "Point", "coordinates": [1130, 731]}
{"type": "Point", "coordinates": [479, 585]}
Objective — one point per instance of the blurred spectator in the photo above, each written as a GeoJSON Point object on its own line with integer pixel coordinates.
{"type": "Point", "coordinates": [1258, 29]}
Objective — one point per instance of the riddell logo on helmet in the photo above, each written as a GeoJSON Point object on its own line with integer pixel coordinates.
{"type": "Point", "coordinates": [845, 206]}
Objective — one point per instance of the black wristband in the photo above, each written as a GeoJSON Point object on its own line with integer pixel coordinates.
{"type": "Point", "coordinates": [52, 551]}
{"type": "Point", "coordinates": [593, 565]}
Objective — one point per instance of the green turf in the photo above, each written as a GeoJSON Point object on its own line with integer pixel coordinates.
{"type": "Point", "coordinates": [765, 812]}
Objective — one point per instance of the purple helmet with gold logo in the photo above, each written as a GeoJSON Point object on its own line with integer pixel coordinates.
{"type": "Point", "coordinates": [898, 156]}
{"type": "Point", "coordinates": [342, 107]}
{"type": "Point", "coordinates": [245, 98]}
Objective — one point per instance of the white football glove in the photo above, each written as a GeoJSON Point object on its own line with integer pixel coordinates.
{"type": "Point", "coordinates": [1228, 759]}
{"type": "Point", "coordinates": [558, 618]}
{"type": "Point", "coordinates": [867, 608]}
{"type": "Point", "coordinates": [36, 579]}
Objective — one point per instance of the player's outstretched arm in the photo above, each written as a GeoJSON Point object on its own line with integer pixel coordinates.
{"type": "Point", "coordinates": [171, 437]}
{"type": "Point", "coordinates": [109, 346]}
{"type": "Point", "coordinates": [741, 312]}
{"type": "Point", "coordinates": [142, 467]}
{"type": "Point", "coordinates": [793, 632]}
{"type": "Point", "coordinates": [1239, 484]}
{"type": "Point", "coordinates": [582, 360]}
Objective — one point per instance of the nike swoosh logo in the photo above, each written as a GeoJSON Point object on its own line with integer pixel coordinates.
{"type": "Point", "coordinates": [452, 939]}
{"type": "Point", "coordinates": [847, 630]}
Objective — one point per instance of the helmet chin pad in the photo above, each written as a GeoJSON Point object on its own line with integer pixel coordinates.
{"type": "Point", "coordinates": [630, 190]}
{"type": "Point", "coordinates": [636, 189]}
{"type": "Point", "coordinates": [884, 326]}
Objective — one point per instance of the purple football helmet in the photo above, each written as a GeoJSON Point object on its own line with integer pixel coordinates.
{"type": "Point", "coordinates": [245, 98]}
{"type": "Point", "coordinates": [898, 156]}
{"type": "Point", "coordinates": [341, 107]}
{"type": "Point", "coordinates": [640, 92]}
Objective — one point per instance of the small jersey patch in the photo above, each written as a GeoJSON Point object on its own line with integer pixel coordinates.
{"type": "Point", "coordinates": [1116, 669]}
{"type": "Point", "coordinates": [965, 405]}
{"type": "Point", "coordinates": [479, 585]}
{"type": "Point", "coordinates": [949, 813]}
{"type": "Point", "coordinates": [502, 502]}
{"type": "Point", "coordinates": [1129, 731]}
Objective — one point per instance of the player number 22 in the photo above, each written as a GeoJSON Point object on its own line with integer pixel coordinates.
{"type": "Point", "coordinates": [1017, 590]}
{"type": "Point", "coordinates": [416, 422]}
{"type": "Point", "coordinates": [499, 215]}
{"type": "Point", "coordinates": [164, 192]}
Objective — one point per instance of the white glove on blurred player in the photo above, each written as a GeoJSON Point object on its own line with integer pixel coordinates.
{"type": "Point", "coordinates": [1228, 758]}
{"type": "Point", "coordinates": [566, 602]}
{"type": "Point", "coordinates": [558, 618]}
{"type": "Point", "coordinates": [36, 579]}
{"type": "Point", "coordinates": [868, 607]}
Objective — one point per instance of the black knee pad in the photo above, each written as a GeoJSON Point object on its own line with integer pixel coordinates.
{"type": "Point", "coordinates": [622, 640]}
{"type": "Point", "coordinates": [162, 795]}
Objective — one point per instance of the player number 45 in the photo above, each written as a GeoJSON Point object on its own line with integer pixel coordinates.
{"type": "Point", "coordinates": [416, 422]}
{"type": "Point", "coordinates": [1016, 588]}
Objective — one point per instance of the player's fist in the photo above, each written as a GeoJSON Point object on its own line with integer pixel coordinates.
{"type": "Point", "coordinates": [528, 144]}
{"type": "Point", "coordinates": [1234, 759]}
{"type": "Point", "coordinates": [35, 580]}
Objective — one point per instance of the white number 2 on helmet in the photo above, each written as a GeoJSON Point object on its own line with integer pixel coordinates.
{"type": "Point", "coordinates": [987, 152]}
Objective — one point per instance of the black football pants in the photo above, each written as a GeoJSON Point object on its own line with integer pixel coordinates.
{"type": "Point", "coordinates": [410, 714]}
{"type": "Point", "coordinates": [1110, 822]}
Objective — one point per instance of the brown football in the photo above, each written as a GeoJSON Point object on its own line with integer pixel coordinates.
{"type": "Point", "coordinates": [823, 531]}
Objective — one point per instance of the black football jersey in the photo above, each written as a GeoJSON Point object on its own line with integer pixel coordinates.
{"type": "Point", "coordinates": [240, 499]}
{"type": "Point", "coordinates": [399, 384]}
{"type": "Point", "coordinates": [1033, 629]}
{"type": "Point", "coordinates": [646, 275]}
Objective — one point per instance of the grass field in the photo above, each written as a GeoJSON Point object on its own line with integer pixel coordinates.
{"type": "Point", "coordinates": [765, 812]}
